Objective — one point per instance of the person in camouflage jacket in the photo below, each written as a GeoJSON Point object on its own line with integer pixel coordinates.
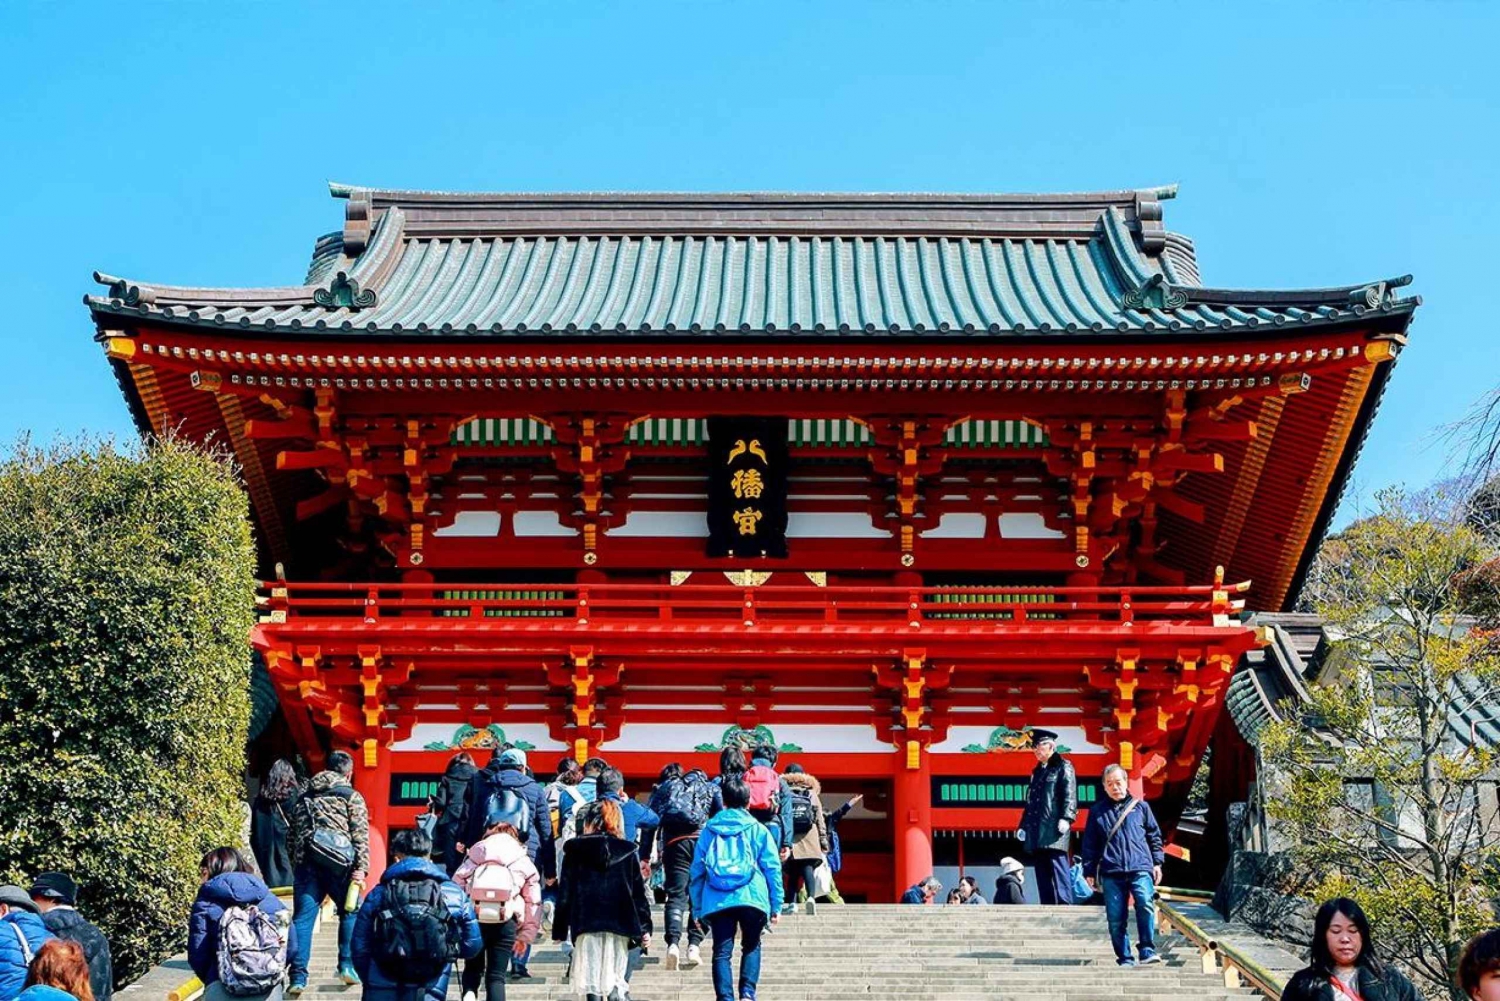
{"type": "Point", "coordinates": [328, 803]}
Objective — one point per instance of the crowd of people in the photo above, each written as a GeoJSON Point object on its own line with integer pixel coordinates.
{"type": "Point", "coordinates": [499, 860]}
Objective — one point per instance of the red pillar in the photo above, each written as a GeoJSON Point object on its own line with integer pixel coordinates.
{"type": "Point", "coordinates": [373, 782]}
{"type": "Point", "coordinates": [911, 813]}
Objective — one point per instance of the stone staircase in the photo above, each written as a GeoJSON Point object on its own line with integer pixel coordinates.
{"type": "Point", "coordinates": [887, 952]}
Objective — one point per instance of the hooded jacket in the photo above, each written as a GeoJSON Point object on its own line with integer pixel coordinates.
{"type": "Point", "coordinates": [497, 776]}
{"type": "Point", "coordinates": [65, 922]}
{"type": "Point", "coordinates": [13, 961]}
{"type": "Point", "coordinates": [463, 927]}
{"type": "Point", "coordinates": [507, 851]}
{"type": "Point", "coordinates": [226, 890]}
{"type": "Point", "coordinates": [1136, 846]}
{"type": "Point", "coordinates": [451, 804]}
{"type": "Point", "coordinates": [762, 893]}
{"type": "Point", "coordinates": [601, 889]}
{"type": "Point", "coordinates": [1052, 796]}
{"type": "Point", "coordinates": [814, 843]}
{"type": "Point", "coordinates": [329, 801]}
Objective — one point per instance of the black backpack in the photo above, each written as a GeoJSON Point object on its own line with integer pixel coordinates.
{"type": "Point", "coordinates": [329, 848]}
{"type": "Point", "coordinates": [411, 944]}
{"type": "Point", "coordinates": [687, 801]}
{"type": "Point", "coordinates": [804, 817]}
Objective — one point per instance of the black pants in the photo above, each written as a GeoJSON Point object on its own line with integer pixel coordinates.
{"type": "Point", "coordinates": [493, 960]}
{"type": "Point", "coordinates": [799, 873]}
{"type": "Point", "coordinates": [677, 866]}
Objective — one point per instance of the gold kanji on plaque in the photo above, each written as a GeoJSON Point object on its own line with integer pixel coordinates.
{"type": "Point", "coordinates": [746, 520]}
{"type": "Point", "coordinates": [753, 448]}
{"type": "Point", "coordinates": [747, 483]}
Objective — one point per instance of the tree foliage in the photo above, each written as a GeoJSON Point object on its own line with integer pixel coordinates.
{"type": "Point", "coordinates": [1371, 782]}
{"type": "Point", "coordinates": [126, 595]}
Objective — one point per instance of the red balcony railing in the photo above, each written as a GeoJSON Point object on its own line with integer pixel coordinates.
{"type": "Point", "coordinates": [729, 605]}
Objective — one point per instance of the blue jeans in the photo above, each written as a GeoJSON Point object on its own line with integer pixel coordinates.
{"type": "Point", "coordinates": [749, 922]}
{"type": "Point", "coordinates": [1118, 889]}
{"type": "Point", "coordinates": [310, 885]}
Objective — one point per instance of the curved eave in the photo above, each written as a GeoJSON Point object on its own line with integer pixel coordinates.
{"type": "Point", "coordinates": [1389, 317]}
{"type": "Point", "coordinates": [1335, 494]}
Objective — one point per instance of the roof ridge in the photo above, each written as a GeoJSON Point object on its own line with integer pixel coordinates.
{"type": "Point", "coordinates": [1162, 192]}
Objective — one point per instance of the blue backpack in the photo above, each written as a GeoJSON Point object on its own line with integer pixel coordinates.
{"type": "Point", "coordinates": [729, 862]}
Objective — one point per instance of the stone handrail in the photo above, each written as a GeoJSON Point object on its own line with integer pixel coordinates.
{"type": "Point", "coordinates": [1218, 957]}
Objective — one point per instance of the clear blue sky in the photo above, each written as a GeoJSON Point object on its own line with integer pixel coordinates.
{"type": "Point", "coordinates": [189, 143]}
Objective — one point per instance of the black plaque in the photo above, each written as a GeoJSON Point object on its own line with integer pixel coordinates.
{"type": "Point", "coordinates": [747, 486]}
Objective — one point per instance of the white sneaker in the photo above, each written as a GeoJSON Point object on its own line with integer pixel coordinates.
{"type": "Point", "coordinates": [549, 909]}
{"type": "Point", "coordinates": [470, 996]}
{"type": "Point", "coordinates": [673, 956]}
{"type": "Point", "coordinates": [694, 957]}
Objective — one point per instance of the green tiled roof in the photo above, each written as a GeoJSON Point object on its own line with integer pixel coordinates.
{"type": "Point", "coordinates": [421, 263]}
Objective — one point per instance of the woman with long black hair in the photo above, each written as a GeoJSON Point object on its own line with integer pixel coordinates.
{"type": "Point", "coordinates": [270, 824]}
{"type": "Point", "coordinates": [1344, 966]}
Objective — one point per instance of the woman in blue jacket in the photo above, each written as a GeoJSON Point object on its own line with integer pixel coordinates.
{"type": "Point", "coordinates": [735, 886]}
{"type": "Point", "coordinates": [227, 882]}
{"type": "Point", "coordinates": [1122, 856]}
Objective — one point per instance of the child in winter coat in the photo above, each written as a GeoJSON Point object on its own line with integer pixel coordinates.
{"type": "Point", "coordinates": [504, 883]}
{"type": "Point", "coordinates": [227, 883]}
{"type": "Point", "coordinates": [602, 903]}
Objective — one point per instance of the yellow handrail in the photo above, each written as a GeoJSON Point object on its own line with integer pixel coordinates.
{"type": "Point", "coordinates": [186, 991]}
{"type": "Point", "coordinates": [1219, 956]}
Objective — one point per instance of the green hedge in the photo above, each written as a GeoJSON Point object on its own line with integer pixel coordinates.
{"type": "Point", "coordinates": [126, 597]}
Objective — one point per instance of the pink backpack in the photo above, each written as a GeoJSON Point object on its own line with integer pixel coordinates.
{"type": "Point", "coordinates": [765, 791]}
{"type": "Point", "coordinates": [496, 890]}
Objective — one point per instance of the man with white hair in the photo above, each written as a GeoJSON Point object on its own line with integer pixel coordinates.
{"type": "Point", "coordinates": [1047, 824]}
{"type": "Point", "coordinates": [924, 892]}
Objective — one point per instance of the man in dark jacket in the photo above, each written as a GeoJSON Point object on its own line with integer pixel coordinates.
{"type": "Point", "coordinates": [1122, 851]}
{"type": "Point", "coordinates": [21, 935]}
{"type": "Point", "coordinates": [924, 892]}
{"type": "Point", "coordinates": [331, 806]}
{"type": "Point", "coordinates": [1047, 824]}
{"type": "Point", "coordinates": [55, 895]}
{"type": "Point", "coordinates": [507, 770]}
{"type": "Point", "coordinates": [411, 850]}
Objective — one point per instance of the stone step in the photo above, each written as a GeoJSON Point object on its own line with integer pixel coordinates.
{"type": "Point", "coordinates": [889, 953]}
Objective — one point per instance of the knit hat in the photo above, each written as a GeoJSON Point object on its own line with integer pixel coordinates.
{"type": "Point", "coordinates": [1009, 865]}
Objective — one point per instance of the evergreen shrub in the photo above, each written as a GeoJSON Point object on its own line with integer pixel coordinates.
{"type": "Point", "coordinates": [126, 599]}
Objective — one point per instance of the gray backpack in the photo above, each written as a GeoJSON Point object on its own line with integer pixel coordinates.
{"type": "Point", "coordinates": [252, 951]}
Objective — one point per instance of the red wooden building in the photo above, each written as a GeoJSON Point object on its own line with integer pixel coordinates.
{"type": "Point", "coordinates": [1029, 457]}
